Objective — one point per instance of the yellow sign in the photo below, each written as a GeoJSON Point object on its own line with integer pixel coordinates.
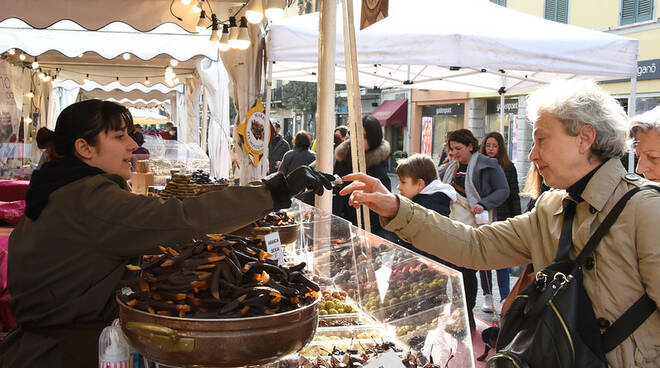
{"type": "Point", "coordinates": [255, 131]}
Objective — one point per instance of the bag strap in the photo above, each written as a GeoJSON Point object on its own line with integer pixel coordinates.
{"type": "Point", "coordinates": [566, 236]}
{"type": "Point", "coordinates": [629, 321]}
{"type": "Point", "coordinates": [604, 227]}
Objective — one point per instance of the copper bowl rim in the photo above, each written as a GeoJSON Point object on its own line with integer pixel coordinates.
{"type": "Point", "coordinates": [284, 227]}
{"type": "Point", "coordinates": [242, 319]}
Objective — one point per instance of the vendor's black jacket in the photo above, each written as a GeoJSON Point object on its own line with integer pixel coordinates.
{"type": "Point", "coordinates": [65, 265]}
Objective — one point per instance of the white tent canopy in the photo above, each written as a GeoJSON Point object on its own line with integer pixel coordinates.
{"type": "Point", "coordinates": [467, 45]}
{"type": "Point", "coordinates": [92, 85]}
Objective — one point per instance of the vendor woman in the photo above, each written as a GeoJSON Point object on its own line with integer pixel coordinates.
{"type": "Point", "coordinates": [83, 226]}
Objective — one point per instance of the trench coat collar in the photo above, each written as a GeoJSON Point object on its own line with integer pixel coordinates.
{"type": "Point", "coordinates": [601, 186]}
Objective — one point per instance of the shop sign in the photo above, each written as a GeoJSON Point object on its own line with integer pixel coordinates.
{"type": "Point", "coordinates": [510, 106]}
{"type": "Point", "coordinates": [427, 135]}
{"type": "Point", "coordinates": [456, 109]}
{"type": "Point", "coordinates": [648, 69]}
{"type": "Point", "coordinates": [255, 131]}
{"type": "Point", "coordinates": [274, 246]}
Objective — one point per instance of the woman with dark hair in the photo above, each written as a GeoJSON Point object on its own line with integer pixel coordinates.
{"type": "Point", "coordinates": [83, 226]}
{"type": "Point", "coordinates": [482, 187]}
{"type": "Point", "coordinates": [300, 154]}
{"type": "Point", "coordinates": [493, 147]}
{"type": "Point", "coordinates": [377, 150]}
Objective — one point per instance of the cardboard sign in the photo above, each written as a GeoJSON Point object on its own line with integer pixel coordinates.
{"type": "Point", "coordinates": [274, 246]}
{"type": "Point", "coordinates": [372, 12]}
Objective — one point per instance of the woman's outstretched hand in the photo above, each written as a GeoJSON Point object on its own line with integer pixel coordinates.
{"type": "Point", "coordinates": [369, 191]}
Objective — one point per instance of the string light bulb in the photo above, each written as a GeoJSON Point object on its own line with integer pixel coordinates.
{"type": "Point", "coordinates": [274, 10]}
{"type": "Point", "coordinates": [214, 29]}
{"type": "Point", "coordinates": [27, 120]}
{"type": "Point", "coordinates": [35, 64]}
{"type": "Point", "coordinates": [243, 40]}
{"type": "Point", "coordinates": [255, 11]}
{"type": "Point", "coordinates": [185, 2]}
{"type": "Point", "coordinates": [41, 75]}
{"type": "Point", "coordinates": [22, 57]}
{"type": "Point", "coordinates": [201, 23]}
{"type": "Point", "coordinates": [197, 7]}
{"type": "Point", "coordinates": [146, 81]}
{"type": "Point", "coordinates": [86, 80]}
{"type": "Point", "coordinates": [126, 56]}
{"type": "Point", "coordinates": [176, 80]}
{"type": "Point", "coordinates": [29, 94]}
{"type": "Point", "coordinates": [233, 33]}
{"type": "Point", "coordinates": [174, 62]}
{"type": "Point", "coordinates": [223, 45]}
{"type": "Point", "coordinates": [47, 78]}
{"type": "Point", "coordinates": [11, 51]}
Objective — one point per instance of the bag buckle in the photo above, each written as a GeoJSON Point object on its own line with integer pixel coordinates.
{"type": "Point", "coordinates": [562, 276]}
{"type": "Point", "coordinates": [541, 280]}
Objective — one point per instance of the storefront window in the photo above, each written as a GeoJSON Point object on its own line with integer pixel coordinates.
{"type": "Point", "coordinates": [442, 119]}
{"type": "Point", "coordinates": [510, 119]}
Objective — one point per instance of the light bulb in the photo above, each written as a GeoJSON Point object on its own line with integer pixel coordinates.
{"type": "Point", "coordinates": [41, 75]}
{"type": "Point", "coordinates": [185, 2]}
{"type": "Point", "coordinates": [169, 70]}
{"type": "Point", "coordinates": [22, 57]}
{"type": "Point", "coordinates": [176, 80]}
{"type": "Point", "coordinates": [255, 11]}
{"type": "Point", "coordinates": [35, 64]}
{"type": "Point", "coordinates": [274, 10]}
{"type": "Point", "coordinates": [201, 23]}
{"type": "Point", "coordinates": [197, 7]}
{"type": "Point", "coordinates": [47, 78]}
{"type": "Point", "coordinates": [214, 36]}
{"type": "Point", "coordinates": [126, 56]}
{"type": "Point", "coordinates": [29, 94]}
{"type": "Point", "coordinates": [243, 39]}
{"type": "Point", "coordinates": [223, 45]}
{"type": "Point", "coordinates": [27, 120]}
{"type": "Point", "coordinates": [233, 33]}
{"type": "Point", "coordinates": [146, 81]}
{"type": "Point", "coordinates": [174, 62]}
{"type": "Point", "coordinates": [11, 51]}
{"type": "Point", "coordinates": [86, 80]}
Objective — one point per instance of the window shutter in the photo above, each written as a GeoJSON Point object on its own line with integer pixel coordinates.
{"type": "Point", "coordinates": [562, 11]}
{"type": "Point", "coordinates": [550, 7]}
{"type": "Point", "coordinates": [644, 10]}
{"type": "Point", "coordinates": [628, 11]}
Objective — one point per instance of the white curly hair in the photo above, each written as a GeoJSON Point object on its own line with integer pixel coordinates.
{"type": "Point", "coordinates": [645, 122]}
{"type": "Point", "coordinates": [577, 103]}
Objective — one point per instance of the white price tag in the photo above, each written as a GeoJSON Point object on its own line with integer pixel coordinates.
{"type": "Point", "coordinates": [383, 280]}
{"type": "Point", "coordinates": [274, 246]}
{"type": "Point", "coordinates": [388, 359]}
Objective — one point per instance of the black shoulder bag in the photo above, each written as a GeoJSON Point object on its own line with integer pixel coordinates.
{"type": "Point", "coordinates": [552, 322]}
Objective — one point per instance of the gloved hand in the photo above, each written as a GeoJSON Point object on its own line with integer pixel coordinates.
{"type": "Point", "coordinates": [300, 179]}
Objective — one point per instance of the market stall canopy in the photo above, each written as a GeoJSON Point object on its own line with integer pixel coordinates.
{"type": "Point", "coordinates": [392, 112]}
{"type": "Point", "coordinates": [133, 98]}
{"type": "Point", "coordinates": [467, 45]}
{"type": "Point", "coordinates": [147, 116]}
{"type": "Point", "coordinates": [141, 15]}
{"type": "Point", "coordinates": [91, 85]}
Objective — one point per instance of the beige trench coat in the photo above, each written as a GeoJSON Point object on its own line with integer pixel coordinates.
{"type": "Point", "coordinates": [627, 261]}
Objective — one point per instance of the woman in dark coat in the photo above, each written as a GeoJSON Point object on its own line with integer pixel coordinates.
{"type": "Point", "coordinates": [83, 226]}
{"type": "Point", "coordinates": [377, 150]}
{"type": "Point", "coordinates": [493, 146]}
{"type": "Point", "coordinates": [300, 154]}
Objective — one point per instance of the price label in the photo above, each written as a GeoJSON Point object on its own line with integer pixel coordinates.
{"type": "Point", "coordinates": [388, 359]}
{"type": "Point", "coordinates": [383, 280]}
{"type": "Point", "coordinates": [274, 246]}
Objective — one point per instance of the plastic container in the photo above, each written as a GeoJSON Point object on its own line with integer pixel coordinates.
{"type": "Point", "coordinates": [114, 350]}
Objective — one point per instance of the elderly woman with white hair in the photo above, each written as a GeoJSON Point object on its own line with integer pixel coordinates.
{"type": "Point", "coordinates": [645, 133]}
{"type": "Point", "coordinates": [579, 136]}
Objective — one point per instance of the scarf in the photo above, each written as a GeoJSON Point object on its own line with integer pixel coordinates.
{"type": "Point", "coordinates": [471, 192]}
{"type": "Point", "coordinates": [51, 177]}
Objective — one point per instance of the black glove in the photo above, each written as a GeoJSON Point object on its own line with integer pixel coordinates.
{"type": "Point", "coordinates": [300, 179]}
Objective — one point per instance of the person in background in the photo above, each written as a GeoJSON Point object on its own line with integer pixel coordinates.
{"type": "Point", "coordinates": [377, 150]}
{"type": "Point", "coordinates": [83, 226]}
{"type": "Point", "coordinates": [276, 149]}
{"type": "Point", "coordinates": [140, 153]}
{"type": "Point", "coordinates": [288, 138]}
{"type": "Point", "coordinates": [493, 147]}
{"type": "Point", "coordinates": [341, 134]}
{"type": "Point", "coordinates": [482, 187]}
{"type": "Point", "coordinates": [173, 133]}
{"type": "Point", "coordinates": [645, 133]}
{"type": "Point", "coordinates": [300, 154]}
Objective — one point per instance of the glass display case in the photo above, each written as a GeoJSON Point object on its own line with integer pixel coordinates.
{"type": "Point", "coordinates": [165, 155]}
{"type": "Point", "coordinates": [374, 291]}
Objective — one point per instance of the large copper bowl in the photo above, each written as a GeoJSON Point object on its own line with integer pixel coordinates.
{"type": "Point", "coordinates": [235, 342]}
